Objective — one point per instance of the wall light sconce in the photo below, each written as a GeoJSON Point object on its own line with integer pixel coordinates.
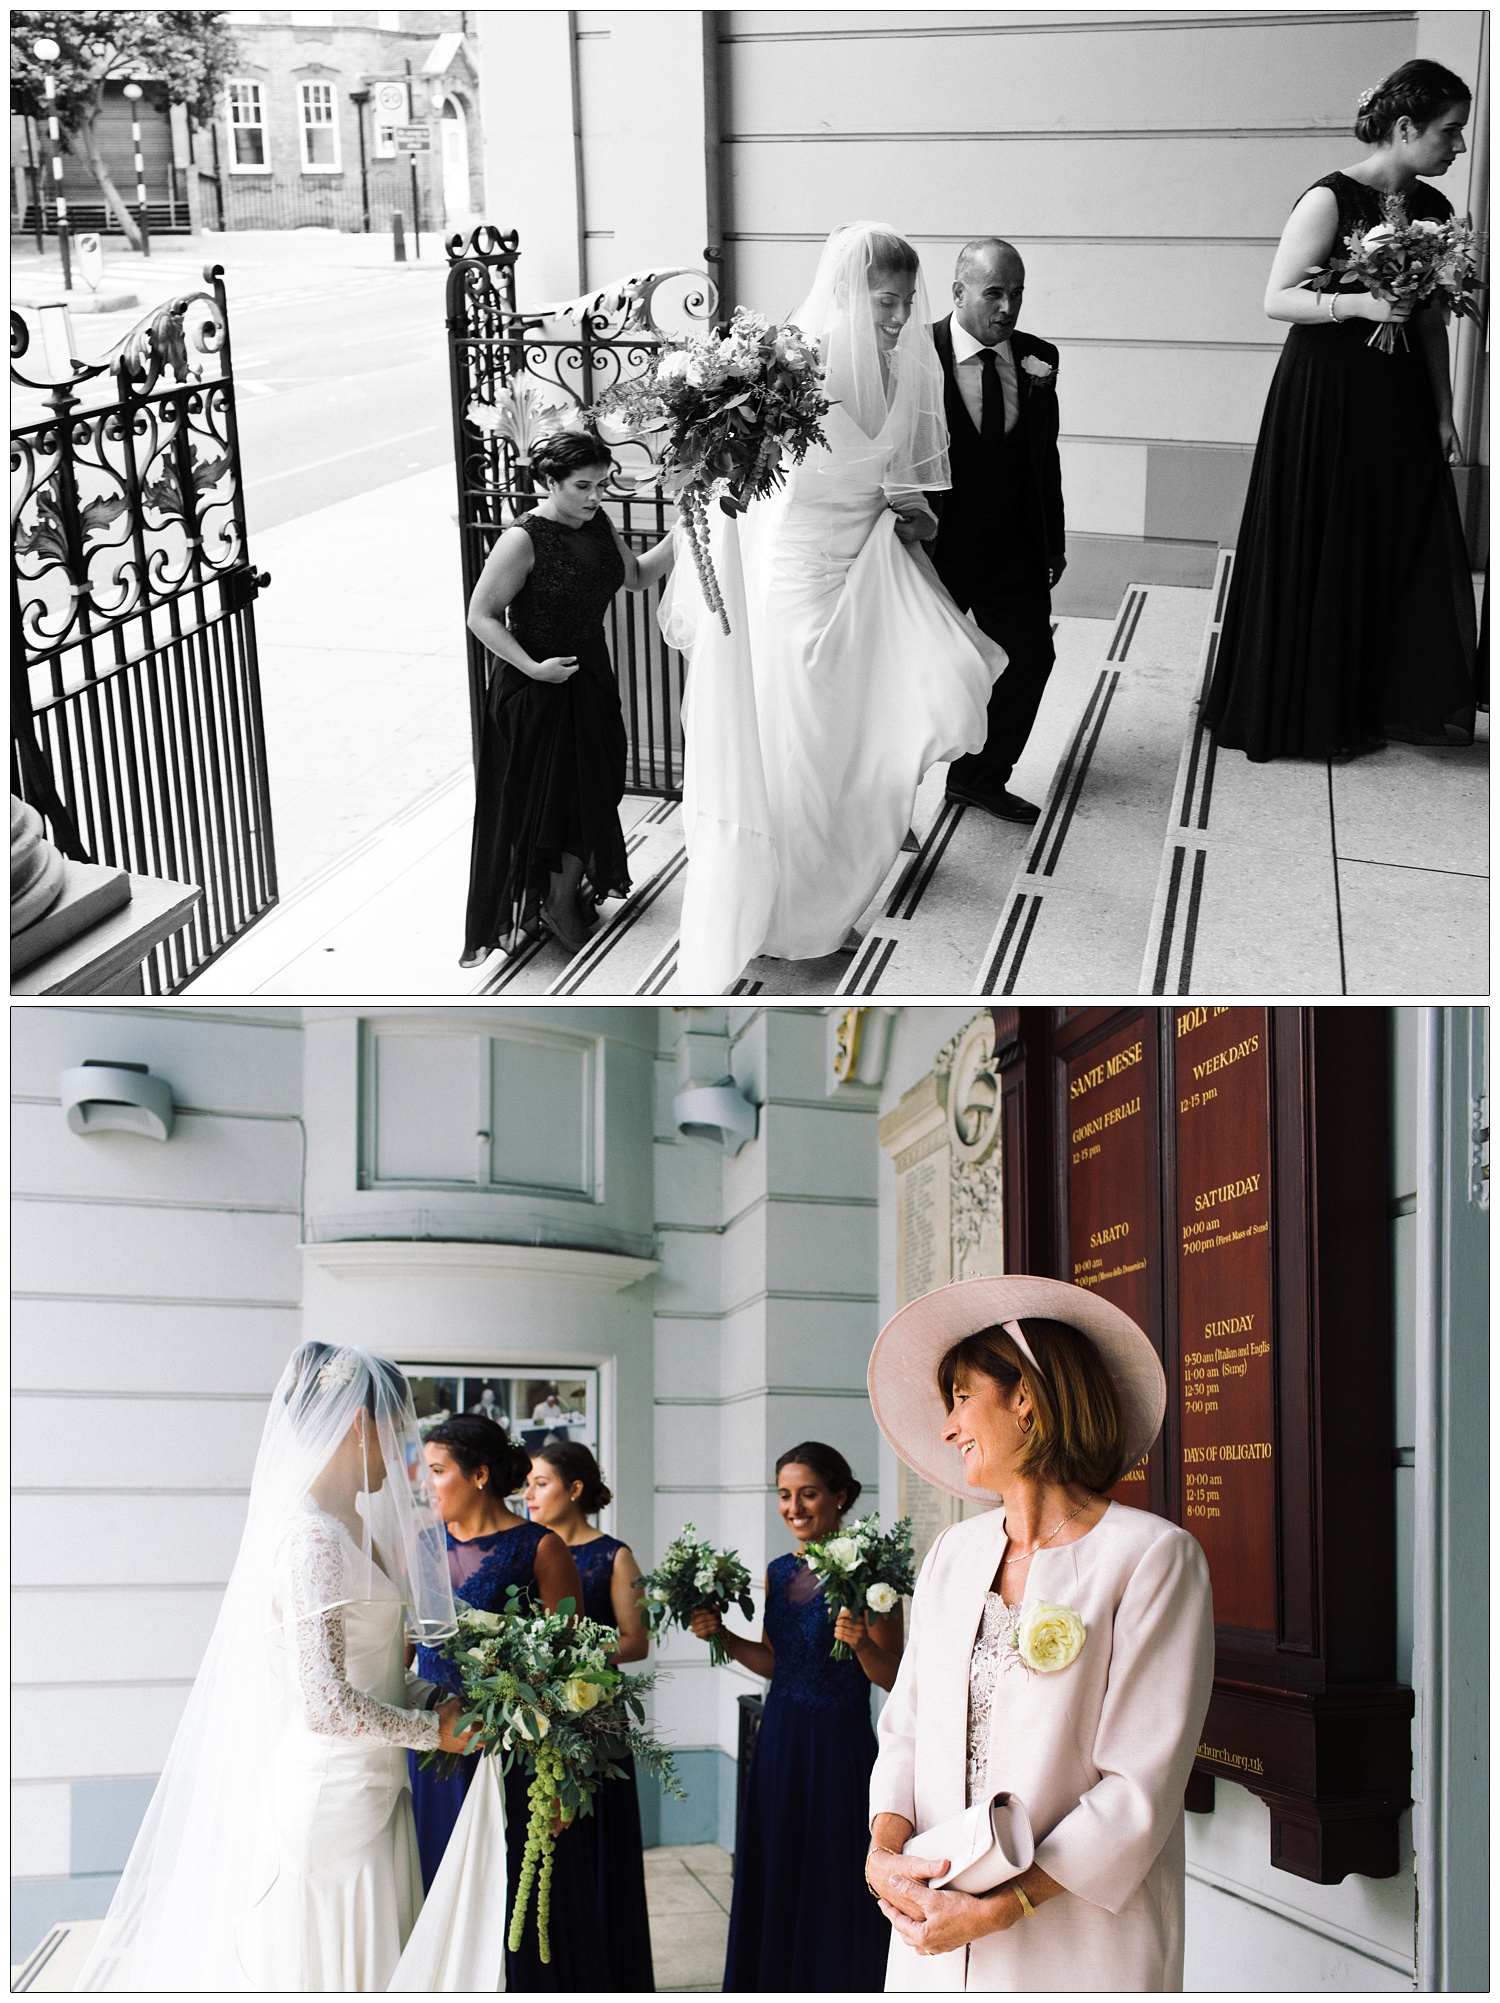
{"type": "Point", "coordinates": [105, 1093]}
{"type": "Point", "coordinates": [719, 1114]}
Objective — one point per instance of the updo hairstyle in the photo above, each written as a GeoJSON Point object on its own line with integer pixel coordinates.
{"type": "Point", "coordinates": [571, 1461]}
{"type": "Point", "coordinates": [1419, 90]}
{"type": "Point", "coordinates": [308, 1385]}
{"type": "Point", "coordinates": [892, 254]}
{"type": "Point", "coordinates": [829, 1465]}
{"type": "Point", "coordinates": [560, 454]}
{"type": "Point", "coordinates": [1078, 1430]}
{"type": "Point", "coordinates": [476, 1442]}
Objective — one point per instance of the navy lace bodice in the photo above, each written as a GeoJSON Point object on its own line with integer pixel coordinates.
{"type": "Point", "coordinates": [596, 1564]}
{"type": "Point", "coordinates": [509, 1559]}
{"type": "Point", "coordinates": [802, 1637]}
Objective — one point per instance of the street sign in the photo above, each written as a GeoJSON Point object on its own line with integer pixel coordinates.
{"type": "Point", "coordinates": [88, 255]}
{"type": "Point", "coordinates": [392, 105]}
{"type": "Point", "coordinates": [413, 138]}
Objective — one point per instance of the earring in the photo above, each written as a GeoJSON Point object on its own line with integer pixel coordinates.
{"type": "Point", "coordinates": [481, 1481]}
{"type": "Point", "coordinates": [1025, 1423]}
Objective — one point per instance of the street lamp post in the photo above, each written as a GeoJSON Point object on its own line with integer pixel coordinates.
{"type": "Point", "coordinates": [133, 92]}
{"type": "Point", "coordinates": [47, 52]}
{"type": "Point", "coordinates": [359, 99]}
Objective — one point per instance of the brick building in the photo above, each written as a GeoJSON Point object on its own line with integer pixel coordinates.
{"type": "Point", "coordinates": [305, 134]}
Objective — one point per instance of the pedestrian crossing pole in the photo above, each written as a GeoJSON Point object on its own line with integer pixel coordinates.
{"type": "Point", "coordinates": [47, 52]}
{"type": "Point", "coordinates": [133, 92]}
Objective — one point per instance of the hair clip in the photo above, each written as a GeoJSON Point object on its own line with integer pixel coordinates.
{"type": "Point", "coordinates": [338, 1370]}
{"type": "Point", "coordinates": [1368, 97]}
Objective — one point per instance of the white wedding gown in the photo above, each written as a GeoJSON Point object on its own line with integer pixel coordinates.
{"type": "Point", "coordinates": [848, 671]}
{"type": "Point", "coordinates": [340, 1883]}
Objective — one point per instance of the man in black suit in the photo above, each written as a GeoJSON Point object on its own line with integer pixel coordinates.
{"type": "Point", "coordinates": [999, 546]}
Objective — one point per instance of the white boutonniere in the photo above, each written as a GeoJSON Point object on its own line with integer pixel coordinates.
{"type": "Point", "coordinates": [1045, 1638]}
{"type": "Point", "coordinates": [1040, 372]}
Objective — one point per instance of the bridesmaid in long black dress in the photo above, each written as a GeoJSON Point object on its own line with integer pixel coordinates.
{"type": "Point", "coordinates": [565, 1490]}
{"type": "Point", "coordinates": [472, 1466]}
{"type": "Point", "coordinates": [552, 749]}
{"type": "Point", "coordinates": [803, 1918]}
{"type": "Point", "coordinates": [1350, 617]}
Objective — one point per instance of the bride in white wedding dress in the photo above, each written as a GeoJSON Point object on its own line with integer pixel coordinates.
{"type": "Point", "coordinates": [848, 670]}
{"type": "Point", "coordinates": [279, 1852]}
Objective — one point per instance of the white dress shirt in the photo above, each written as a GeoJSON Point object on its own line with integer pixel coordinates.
{"type": "Point", "coordinates": [968, 373]}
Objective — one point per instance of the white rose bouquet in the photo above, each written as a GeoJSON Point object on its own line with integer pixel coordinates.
{"type": "Point", "coordinates": [863, 1569]}
{"type": "Point", "coordinates": [692, 1574]}
{"type": "Point", "coordinates": [1426, 261]}
{"type": "Point", "coordinates": [540, 1688]}
{"type": "Point", "coordinates": [735, 406]}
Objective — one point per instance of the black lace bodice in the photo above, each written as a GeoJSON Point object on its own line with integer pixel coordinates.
{"type": "Point", "coordinates": [1359, 206]}
{"type": "Point", "coordinates": [574, 576]}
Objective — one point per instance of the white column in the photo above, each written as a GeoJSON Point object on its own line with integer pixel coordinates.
{"type": "Point", "coordinates": [528, 101]}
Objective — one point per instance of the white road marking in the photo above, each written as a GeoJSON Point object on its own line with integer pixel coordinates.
{"type": "Point", "coordinates": [312, 465]}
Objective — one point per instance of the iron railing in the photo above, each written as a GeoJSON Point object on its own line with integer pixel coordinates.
{"type": "Point", "coordinates": [511, 371]}
{"type": "Point", "coordinates": [136, 725]}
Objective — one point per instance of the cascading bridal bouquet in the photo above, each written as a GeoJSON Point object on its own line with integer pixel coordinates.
{"type": "Point", "coordinates": [735, 406]}
{"type": "Point", "coordinates": [692, 1574]}
{"type": "Point", "coordinates": [1426, 262]}
{"type": "Point", "coordinates": [539, 1689]}
{"type": "Point", "coordinates": [863, 1569]}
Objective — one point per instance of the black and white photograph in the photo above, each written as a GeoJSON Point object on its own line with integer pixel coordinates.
{"type": "Point", "coordinates": [520, 503]}
{"type": "Point", "coordinates": [750, 1000]}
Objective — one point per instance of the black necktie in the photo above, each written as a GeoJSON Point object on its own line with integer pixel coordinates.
{"type": "Point", "coordinates": [992, 397]}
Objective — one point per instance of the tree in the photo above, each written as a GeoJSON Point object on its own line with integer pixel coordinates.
{"type": "Point", "coordinates": [178, 56]}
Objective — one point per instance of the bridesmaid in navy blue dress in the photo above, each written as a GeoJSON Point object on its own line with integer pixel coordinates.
{"type": "Point", "coordinates": [565, 1490]}
{"type": "Point", "coordinates": [802, 1917]}
{"type": "Point", "coordinates": [471, 1467]}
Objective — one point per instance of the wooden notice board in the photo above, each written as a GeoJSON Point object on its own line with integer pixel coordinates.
{"type": "Point", "coordinates": [1219, 1173]}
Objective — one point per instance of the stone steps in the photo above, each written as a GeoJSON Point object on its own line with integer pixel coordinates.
{"type": "Point", "coordinates": [1160, 865]}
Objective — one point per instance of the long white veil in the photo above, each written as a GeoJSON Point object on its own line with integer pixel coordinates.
{"type": "Point", "coordinates": [895, 396]}
{"type": "Point", "coordinates": [341, 1437]}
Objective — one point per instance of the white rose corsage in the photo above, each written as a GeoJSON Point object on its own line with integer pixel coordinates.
{"type": "Point", "coordinates": [1045, 1638]}
{"type": "Point", "coordinates": [1040, 372]}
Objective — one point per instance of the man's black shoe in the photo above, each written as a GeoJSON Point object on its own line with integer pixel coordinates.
{"type": "Point", "coordinates": [1003, 805]}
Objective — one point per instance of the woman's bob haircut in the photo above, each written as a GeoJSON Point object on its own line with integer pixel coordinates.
{"type": "Point", "coordinates": [1078, 1432]}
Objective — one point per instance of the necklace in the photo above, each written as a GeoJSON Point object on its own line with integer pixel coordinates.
{"type": "Point", "coordinates": [1047, 1540]}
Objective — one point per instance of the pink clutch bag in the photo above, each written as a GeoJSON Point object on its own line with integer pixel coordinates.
{"type": "Point", "coordinates": [985, 1846]}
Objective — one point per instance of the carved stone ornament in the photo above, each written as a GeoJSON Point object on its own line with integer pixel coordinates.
{"type": "Point", "coordinates": [973, 1109]}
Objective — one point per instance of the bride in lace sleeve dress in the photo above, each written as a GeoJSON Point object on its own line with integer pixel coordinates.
{"type": "Point", "coordinates": [278, 1852]}
{"type": "Point", "coordinates": [848, 670]}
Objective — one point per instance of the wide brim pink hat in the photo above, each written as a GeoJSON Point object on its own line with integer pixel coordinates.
{"type": "Point", "coordinates": [909, 1408]}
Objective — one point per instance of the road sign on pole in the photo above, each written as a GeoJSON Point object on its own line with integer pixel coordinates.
{"type": "Point", "coordinates": [413, 138]}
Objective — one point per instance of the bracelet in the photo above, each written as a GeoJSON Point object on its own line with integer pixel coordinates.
{"type": "Point", "coordinates": [876, 1850]}
{"type": "Point", "coordinates": [1028, 1910]}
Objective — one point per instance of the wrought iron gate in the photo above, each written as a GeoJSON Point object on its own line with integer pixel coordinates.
{"type": "Point", "coordinates": [136, 725]}
{"type": "Point", "coordinates": [507, 371]}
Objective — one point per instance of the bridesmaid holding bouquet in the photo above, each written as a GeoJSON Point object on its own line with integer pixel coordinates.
{"type": "Point", "coordinates": [802, 1918]}
{"type": "Point", "coordinates": [1350, 618]}
{"type": "Point", "coordinates": [565, 1490]}
{"type": "Point", "coordinates": [472, 1465]}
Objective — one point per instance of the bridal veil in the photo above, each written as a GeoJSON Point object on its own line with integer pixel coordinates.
{"type": "Point", "coordinates": [896, 399]}
{"type": "Point", "coordinates": [341, 1437]}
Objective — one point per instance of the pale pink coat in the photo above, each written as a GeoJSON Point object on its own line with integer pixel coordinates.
{"type": "Point", "coordinates": [1099, 1752]}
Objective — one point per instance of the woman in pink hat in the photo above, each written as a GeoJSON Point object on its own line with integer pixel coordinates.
{"type": "Point", "coordinates": [1061, 1653]}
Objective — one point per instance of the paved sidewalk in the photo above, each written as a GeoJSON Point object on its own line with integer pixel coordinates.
{"type": "Point", "coordinates": [256, 261]}
{"type": "Point", "coordinates": [688, 1890]}
{"type": "Point", "coordinates": [361, 637]}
